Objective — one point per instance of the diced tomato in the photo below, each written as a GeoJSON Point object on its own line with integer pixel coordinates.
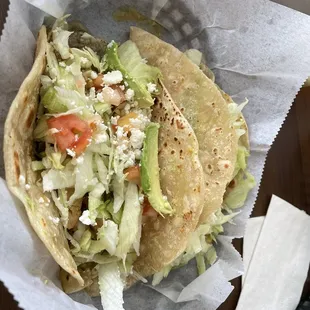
{"type": "Point", "coordinates": [73, 133]}
{"type": "Point", "coordinates": [148, 210]}
{"type": "Point", "coordinates": [133, 175]}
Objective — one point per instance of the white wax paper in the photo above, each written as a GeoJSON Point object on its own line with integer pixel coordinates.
{"type": "Point", "coordinates": [257, 50]}
{"type": "Point", "coordinates": [252, 232]}
{"type": "Point", "coordinates": [280, 262]}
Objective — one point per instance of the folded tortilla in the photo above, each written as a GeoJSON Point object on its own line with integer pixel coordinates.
{"type": "Point", "coordinates": [181, 178]}
{"type": "Point", "coordinates": [203, 105]}
{"type": "Point", "coordinates": [18, 153]}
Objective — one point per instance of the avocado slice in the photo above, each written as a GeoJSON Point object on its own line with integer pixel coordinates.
{"type": "Point", "coordinates": [150, 171]}
{"type": "Point", "coordinates": [142, 96]}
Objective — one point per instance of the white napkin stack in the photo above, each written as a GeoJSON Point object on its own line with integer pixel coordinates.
{"type": "Point", "coordinates": [276, 257]}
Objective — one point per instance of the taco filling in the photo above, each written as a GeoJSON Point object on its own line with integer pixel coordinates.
{"type": "Point", "coordinates": [96, 151]}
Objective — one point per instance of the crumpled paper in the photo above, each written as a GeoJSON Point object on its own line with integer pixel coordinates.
{"type": "Point", "coordinates": [257, 50]}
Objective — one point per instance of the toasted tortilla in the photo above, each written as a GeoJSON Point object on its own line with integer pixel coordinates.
{"type": "Point", "coordinates": [18, 154]}
{"type": "Point", "coordinates": [181, 178]}
{"type": "Point", "coordinates": [203, 105]}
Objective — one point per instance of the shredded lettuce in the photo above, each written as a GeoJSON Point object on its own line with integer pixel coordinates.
{"type": "Point", "coordinates": [85, 179]}
{"type": "Point", "coordinates": [60, 41]}
{"type": "Point", "coordinates": [131, 220]}
{"type": "Point", "coordinates": [235, 197]}
{"type": "Point", "coordinates": [64, 212]}
{"type": "Point", "coordinates": [159, 276]}
{"type": "Point", "coordinates": [37, 165]}
{"type": "Point", "coordinates": [107, 236]}
{"type": "Point", "coordinates": [241, 162]}
{"type": "Point", "coordinates": [131, 59]}
{"type": "Point", "coordinates": [118, 188]}
{"type": "Point", "coordinates": [194, 55]}
{"type": "Point", "coordinates": [90, 55]}
{"type": "Point", "coordinates": [111, 286]}
{"type": "Point", "coordinates": [102, 171]}
{"type": "Point", "coordinates": [41, 129]}
{"type": "Point", "coordinates": [142, 96]}
{"type": "Point", "coordinates": [58, 179]}
{"type": "Point", "coordinates": [201, 265]}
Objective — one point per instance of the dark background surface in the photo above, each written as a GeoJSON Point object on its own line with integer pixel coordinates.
{"type": "Point", "coordinates": [286, 174]}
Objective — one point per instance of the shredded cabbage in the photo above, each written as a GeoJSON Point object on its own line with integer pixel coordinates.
{"type": "Point", "coordinates": [194, 55]}
{"type": "Point", "coordinates": [131, 220]}
{"type": "Point", "coordinates": [235, 197]}
{"type": "Point", "coordinates": [142, 96]}
{"type": "Point", "coordinates": [131, 59]}
{"type": "Point", "coordinates": [85, 179]}
{"type": "Point", "coordinates": [57, 179]}
{"type": "Point", "coordinates": [111, 286]}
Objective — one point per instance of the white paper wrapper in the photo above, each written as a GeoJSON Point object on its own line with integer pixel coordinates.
{"type": "Point", "coordinates": [280, 261]}
{"type": "Point", "coordinates": [257, 50]}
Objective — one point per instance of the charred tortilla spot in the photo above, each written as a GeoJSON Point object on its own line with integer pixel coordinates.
{"type": "Point", "coordinates": [232, 184]}
{"type": "Point", "coordinates": [187, 216]}
{"type": "Point", "coordinates": [43, 222]}
{"type": "Point", "coordinates": [165, 144]}
{"type": "Point", "coordinates": [16, 165]}
{"type": "Point", "coordinates": [172, 152]}
{"type": "Point", "coordinates": [25, 99]}
{"type": "Point", "coordinates": [180, 125]}
{"type": "Point", "coordinates": [182, 109]}
{"type": "Point", "coordinates": [30, 118]}
{"type": "Point", "coordinates": [175, 139]}
{"type": "Point", "coordinates": [67, 277]}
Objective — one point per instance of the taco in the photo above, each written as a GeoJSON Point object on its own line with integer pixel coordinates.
{"type": "Point", "coordinates": [222, 135]}
{"type": "Point", "coordinates": [105, 163]}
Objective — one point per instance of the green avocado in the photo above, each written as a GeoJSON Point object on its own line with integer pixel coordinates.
{"type": "Point", "coordinates": [150, 171]}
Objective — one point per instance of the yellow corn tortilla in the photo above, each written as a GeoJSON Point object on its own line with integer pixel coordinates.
{"type": "Point", "coordinates": [18, 132]}
{"type": "Point", "coordinates": [203, 105]}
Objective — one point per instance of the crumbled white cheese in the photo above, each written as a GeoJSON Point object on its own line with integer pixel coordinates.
{"type": "Point", "coordinates": [62, 64]}
{"type": "Point", "coordinates": [92, 93]}
{"type": "Point", "coordinates": [125, 83]}
{"type": "Point", "coordinates": [141, 198]}
{"type": "Point", "coordinates": [127, 108]}
{"type": "Point", "coordinates": [136, 138]}
{"type": "Point", "coordinates": [122, 87]}
{"type": "Point", "coordinates": [53, 131]}
{"type": "Point", "coordinates": [84, 218]}
{"type": "Point", "coordinates": [165, 198]}
{"type": "Point", "coordinates": [100, 97]}
{"type": "Point", "coordinates": [93, 75]}
{"type": "Point", "coordinates": [84, 60]}
{"type": "Point", "coordinates": [102, 127]}
{"type": "Point", "coordinates": [139, 122]}
{"type": "Point", "coordinates": [138, 154]}
{"type": "Point", "coordinates": [111, 44]}
{"type": "Point", "coordinates": [101, 138]}
{"type": "Point", "coordinates": [113, 77]}
{"type": "Point", "coordinates": [71, 56]}
{"type": "Point", "coordinates": [22, 180]}
{"type": "Point", "coordinates": [114, 119]}
{"type": "Point", "coordinates": [70, 152]}
{"type": "Point", "coordinates": [151, 87]}
{"type": "Point", "coordinates": [144, 60]}
{"type": "Point", "coordinates": [41, 200]}
{"type": "Point", "coordinates": [55, 220]}
{"type": "Point", "coordinates": [27, 187]}
{"type": "Point", "coordinates": [129, 94]}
